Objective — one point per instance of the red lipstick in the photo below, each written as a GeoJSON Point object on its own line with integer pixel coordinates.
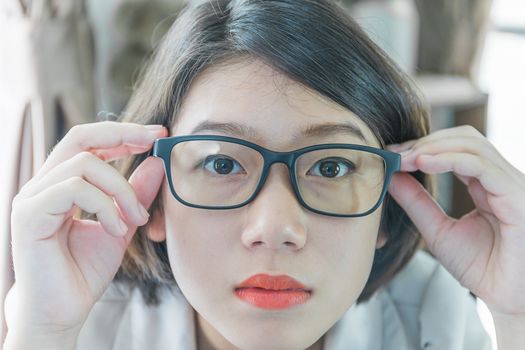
{"type": "Point", "coordinates": [272, 292]}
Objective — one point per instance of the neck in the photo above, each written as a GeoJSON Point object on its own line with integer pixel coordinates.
{"type": "Point", "coordinates": [208, 338]}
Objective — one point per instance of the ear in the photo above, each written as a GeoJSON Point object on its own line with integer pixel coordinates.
{"type": "Point", "coordinates": [156, 228]}
{"type": "Point", "coordinates": [381, 240]}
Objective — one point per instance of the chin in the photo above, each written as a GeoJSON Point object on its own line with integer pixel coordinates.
{"type": "Point", "coordinates": [262, 340]}
{"type": "Point", "coordinates": [271, 343]}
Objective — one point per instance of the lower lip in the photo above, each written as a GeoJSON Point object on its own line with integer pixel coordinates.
{"type": "Point", "coordinates": [273, 299]}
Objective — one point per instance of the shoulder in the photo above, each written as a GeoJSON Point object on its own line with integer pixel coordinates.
{"type": "Point", "coordinates": [423, 307]}
{"type": "Point", "coordinates": [121, 320]}
{"type": "Point", "coordinates": [105, 318]}
{"type": "Point", "coordinates": [436, 311]}
{"type": "Point", "coordinates": [423, 272]}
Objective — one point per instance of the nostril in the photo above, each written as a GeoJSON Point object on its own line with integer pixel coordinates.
{"type": "Point", "coordinates": [287, 243]}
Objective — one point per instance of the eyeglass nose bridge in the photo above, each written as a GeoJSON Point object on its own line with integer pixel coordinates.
{"type": "Point", "coordinates": [274, 157]}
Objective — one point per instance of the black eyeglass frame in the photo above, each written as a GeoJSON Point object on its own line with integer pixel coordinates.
{"type": "Point", "coordinates": [162, 149]}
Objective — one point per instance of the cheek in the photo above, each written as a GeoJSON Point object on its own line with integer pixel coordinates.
{"type": "Point", "coordinates": [197, 242]}
{"type": "Point", "coordinates": [349, 255]}
{"type": "Point", "coordinates": [207, 258]}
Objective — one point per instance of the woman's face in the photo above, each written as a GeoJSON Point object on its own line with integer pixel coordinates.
{"type": "Point", "coordinates": [212, 251]}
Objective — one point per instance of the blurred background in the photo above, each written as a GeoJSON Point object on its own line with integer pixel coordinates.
{"type": "Point", "coordinates": [74, 61]}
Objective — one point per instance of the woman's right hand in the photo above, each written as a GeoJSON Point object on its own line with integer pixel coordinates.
{"type": "Point", "coordinates": [62, 264]}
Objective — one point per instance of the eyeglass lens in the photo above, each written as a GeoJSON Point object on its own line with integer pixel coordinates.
{"type": "Point", "coordinates": [220, 174]}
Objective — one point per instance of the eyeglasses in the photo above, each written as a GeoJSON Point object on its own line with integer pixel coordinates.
{"type": "Point", "coordinates": [220, 172]}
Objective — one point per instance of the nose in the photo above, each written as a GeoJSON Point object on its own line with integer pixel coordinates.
{"type": "Point", "coordinates": [275, 219]}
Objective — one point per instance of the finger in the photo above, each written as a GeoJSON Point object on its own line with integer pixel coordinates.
{"type": "Point", "coordinates": [478, 194]}
{"type": "Point", "coordinates": [101, 135]}
{"type": "Point", "coordinates": [491, 177]}
{"type": "Point", "coordinates": [504, 196]}
{"type": "Point", "coordinates": [458, 131]}
{"type": "Point", "coordinates": [96, 234]}
{"type": "Point", "coordinates": [419, 205]}
{"type": "Point", "coordinates": [146, 180]}
{"type": "Point", "coordinates": [111, 154]}
{"type": "Point", "coordinates": [48, 208]}
{"type": "Point", "coordinates": [464, 144]}
{"type": "Point", "coordinates": [480, 199]}
{"type": "Point", "coordinates": [101, 175]}
{"type": "Point", "coordinates": [400, 147]}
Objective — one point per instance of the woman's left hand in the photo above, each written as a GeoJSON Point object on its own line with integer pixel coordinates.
{"type": "Point", "coordinates": [485, 249]}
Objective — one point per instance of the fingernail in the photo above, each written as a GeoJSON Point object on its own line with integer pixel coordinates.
{"type": "Point", "coordinates": [138, 146]}
{"type": "Point", "coordinates": [123, 227]}
{"type": "Point", "coordinates": [155, 127]}
{"type": "Point", "coordinates": [157, 130]}
{"type": "Point", "coordinates": [143, 212]}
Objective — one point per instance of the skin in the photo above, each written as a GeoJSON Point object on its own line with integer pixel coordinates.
{"type": "Point", "coordinates": [216, 250]}
{"type": "Point", "coordinates": [484, 249]}
{"type": "Point", "coordinates": [64, 263]}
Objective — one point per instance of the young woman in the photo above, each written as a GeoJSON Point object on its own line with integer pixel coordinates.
{"type": "Point", "coordinates": [287, 190]}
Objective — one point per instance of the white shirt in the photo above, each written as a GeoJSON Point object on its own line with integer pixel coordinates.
{"type": "Point", "coordinates": [423, 307]}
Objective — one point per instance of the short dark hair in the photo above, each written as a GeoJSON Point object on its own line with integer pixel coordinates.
{"type": "Point", "coordinates": [313, 42]}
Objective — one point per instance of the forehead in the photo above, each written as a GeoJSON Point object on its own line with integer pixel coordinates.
{"type": "Point", "coordinates": [267, 107]}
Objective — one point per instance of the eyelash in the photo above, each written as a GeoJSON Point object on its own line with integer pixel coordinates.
{"type": "Point", "coordinates": [208, 160]}
{"type": "Point", "coordinates": [347, 164]}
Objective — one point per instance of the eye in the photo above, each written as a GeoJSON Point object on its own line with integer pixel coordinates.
{"type": "Point", "coordinates": [221, 164]}
{"type": "Point", "coordinates": [332, 167]}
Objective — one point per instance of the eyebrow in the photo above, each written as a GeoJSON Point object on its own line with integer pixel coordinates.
{"type": "Point", "coordinates": [317, 130]}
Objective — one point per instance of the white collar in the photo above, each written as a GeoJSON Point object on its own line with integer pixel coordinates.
{"type": "Point", "coordinates": [422, 305]}
{"type": "Point", "coordinates": [361, 327]}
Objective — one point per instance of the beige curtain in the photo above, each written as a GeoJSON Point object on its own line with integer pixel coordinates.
{"type": "Point", "coordinates": [46, 87]}
{"type": "Point", "coordinates": [49, 81]}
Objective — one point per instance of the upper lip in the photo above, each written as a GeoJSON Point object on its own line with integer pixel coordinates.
{"type": "Point", "coordinates": [279, 282]}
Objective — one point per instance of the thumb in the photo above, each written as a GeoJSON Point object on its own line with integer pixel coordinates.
{"type": "Point", "coordinates": [423, 210]}
{"type": "Point", "coordinates": [147, 179]}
